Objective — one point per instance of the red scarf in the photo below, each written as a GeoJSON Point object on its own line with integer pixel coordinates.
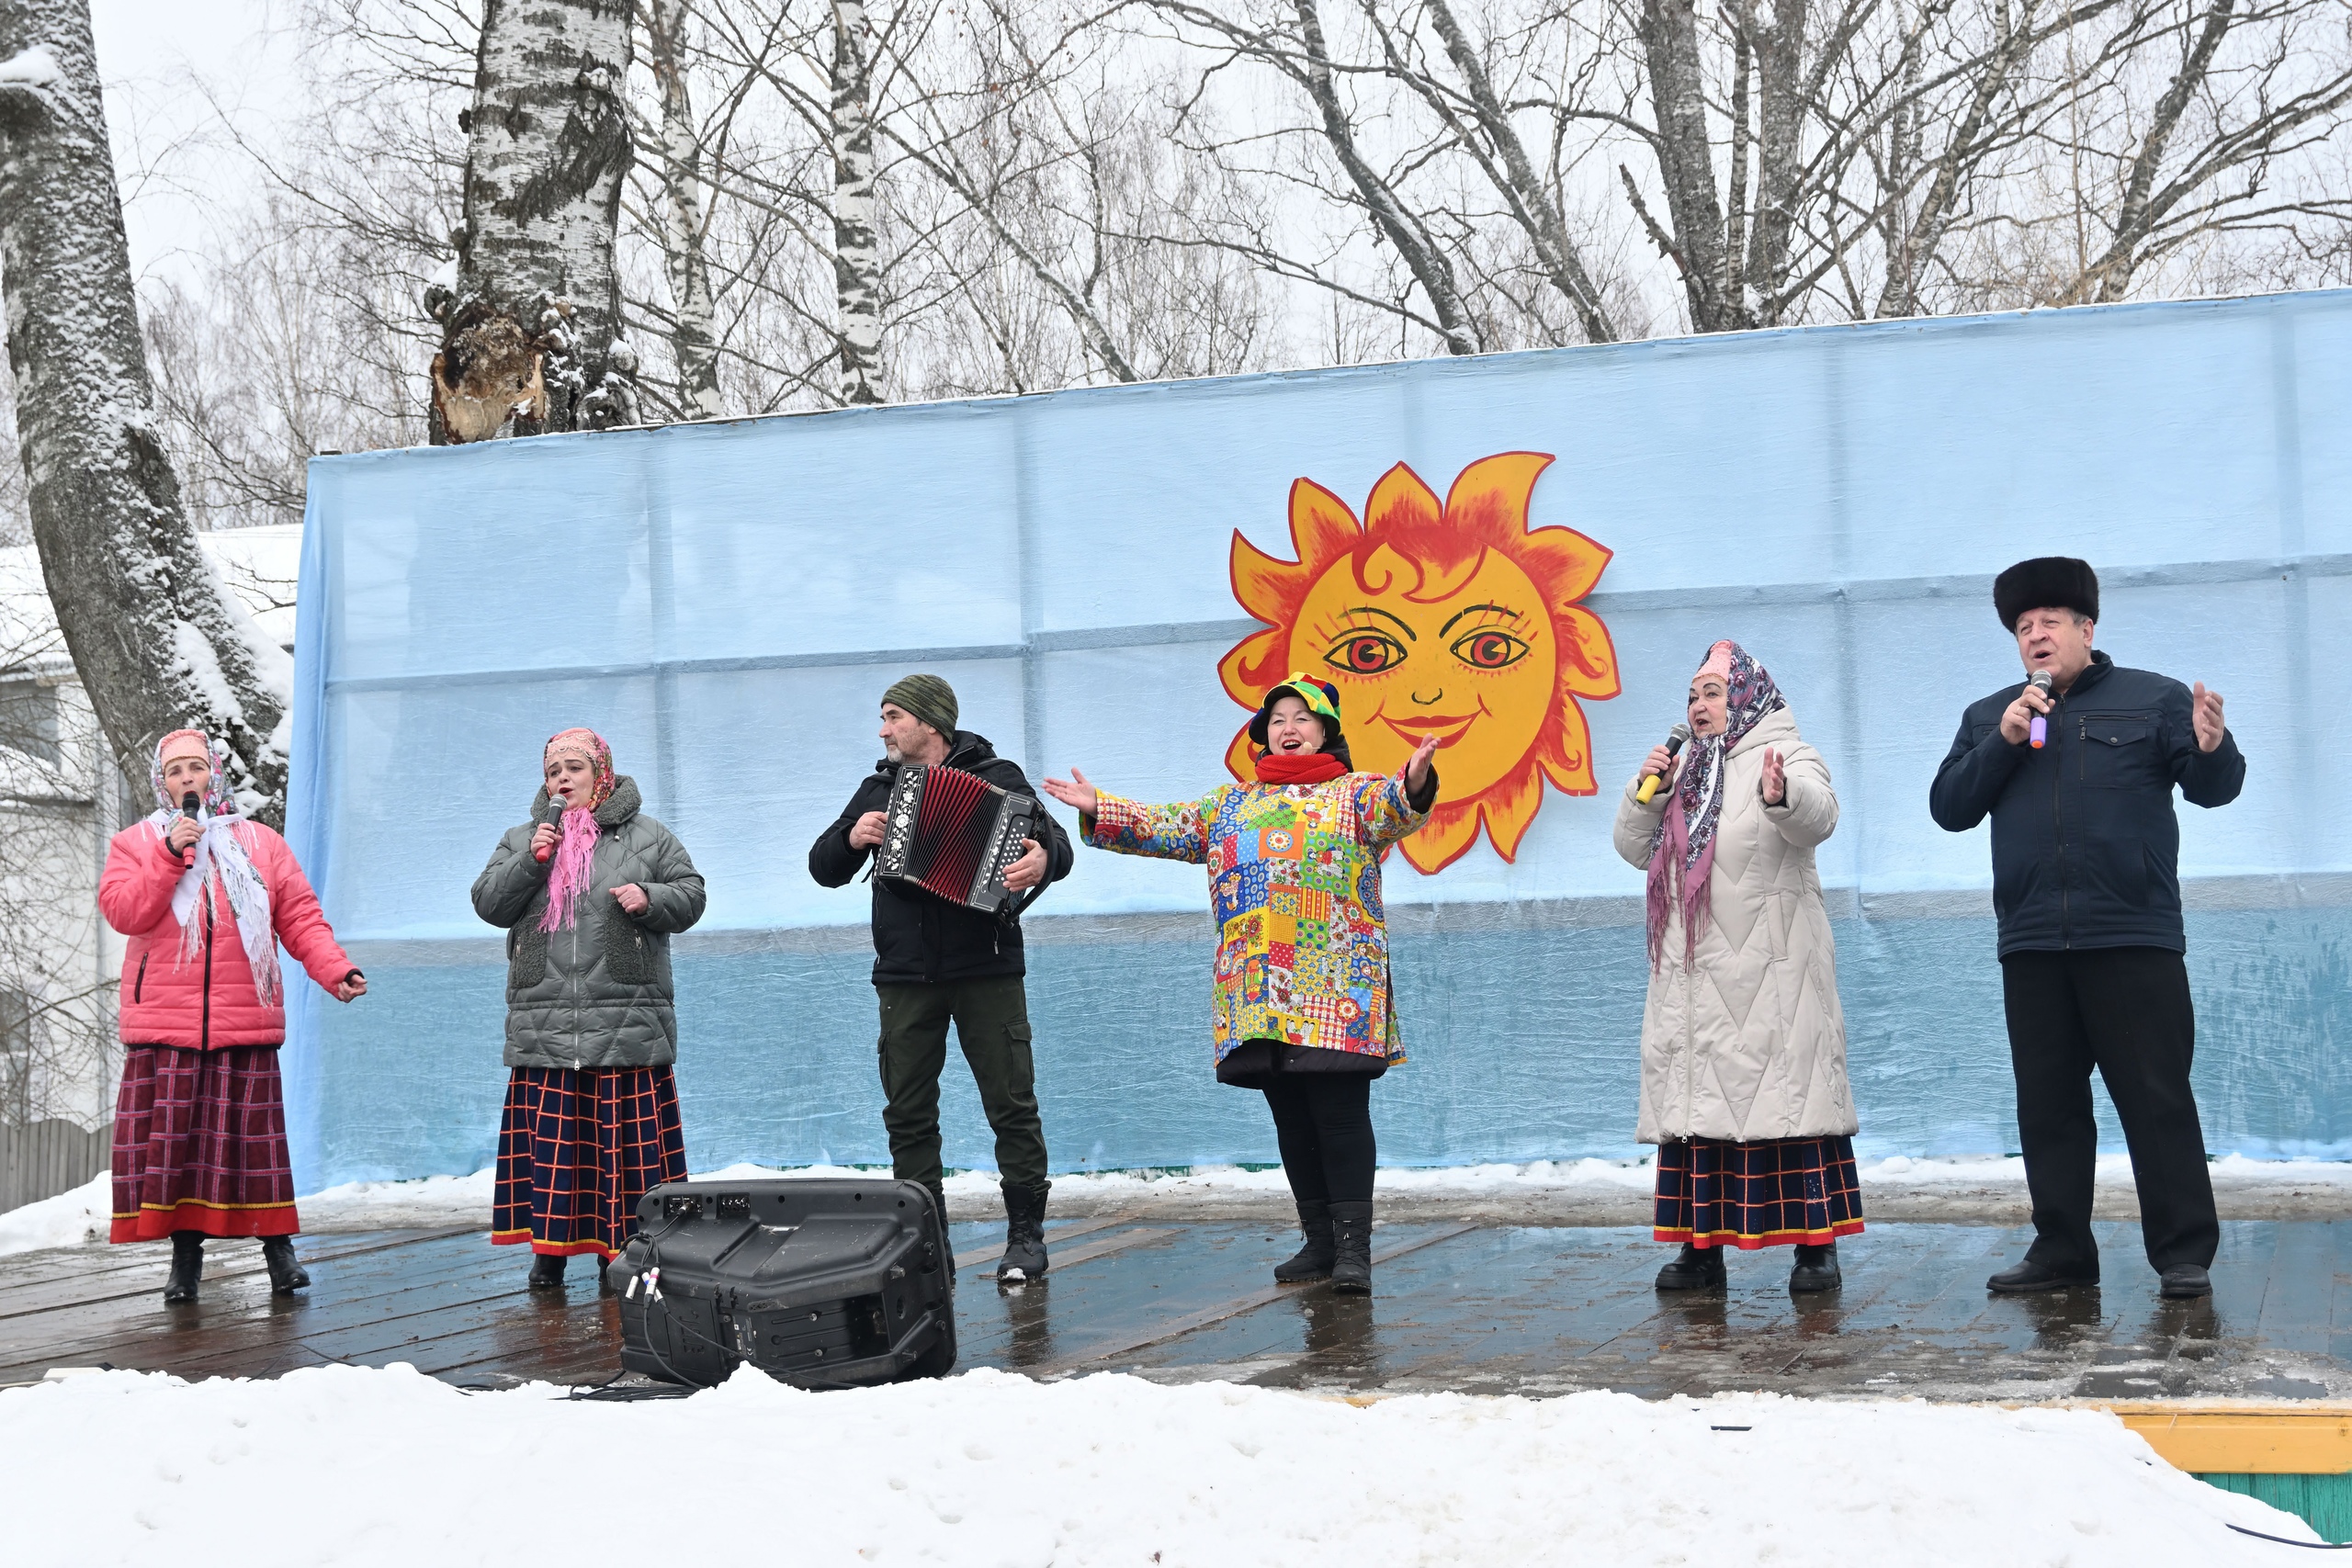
{"type": "Point", "coordinates": [1296, 767]}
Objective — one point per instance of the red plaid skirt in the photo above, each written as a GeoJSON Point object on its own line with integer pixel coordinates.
{"type": "Point", "coordinates": [577, 1149]}
{"type": "Point", "coordinates": [1776, 1192]}
{"type": "Point", "coordinates": [199, 1144]}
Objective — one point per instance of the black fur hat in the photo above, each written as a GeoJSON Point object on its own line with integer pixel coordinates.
{"type": "Point", "coordinates": [2046, 582]}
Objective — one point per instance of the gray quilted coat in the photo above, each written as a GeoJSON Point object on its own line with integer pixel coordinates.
{"type": "Point", "coordinates": [1748, 1043]}
{"type": "Point", "coordinates": [598, 994]}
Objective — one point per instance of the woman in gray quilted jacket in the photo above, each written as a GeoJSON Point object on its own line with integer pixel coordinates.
{"type": "Point", "coordinates": [589, 892]}
{"type": "Point", "coordinates": [1743, 1043]}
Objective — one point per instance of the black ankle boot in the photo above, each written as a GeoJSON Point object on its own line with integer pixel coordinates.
{"type": "Point", "coordinates": [187, 1266]}
{"type": "Point", "coordinates": [1816, 1268]}
{"type": "Point", "coordinates": [1351, 1248]}
{"type": "Point", "coordinates": [1312, 1261]}
{"type": "Point", "coordinates": [546, 1270]}
{"type": "Point", "coordinates": [1024, 1233]}
{"type": "Point", "coordinates": [1693, 1268]}
{"type": "Point", "coordinates": [286, 1276]}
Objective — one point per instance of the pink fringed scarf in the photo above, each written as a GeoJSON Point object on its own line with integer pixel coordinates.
{"type": "Point", "coordinates": [573, 872]}
{"type": "Point", "coordinates": [1682, 855]}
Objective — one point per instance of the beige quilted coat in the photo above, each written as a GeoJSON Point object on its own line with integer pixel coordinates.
{"type": "Point", "coordinates": [1749, 1044]}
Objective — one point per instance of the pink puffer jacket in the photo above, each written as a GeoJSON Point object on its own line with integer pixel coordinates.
{"type": "Point", "coordinates": [208, 1001]}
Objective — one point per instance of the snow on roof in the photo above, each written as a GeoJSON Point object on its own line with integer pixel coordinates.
{"type": "Point", "coordinates": [258, 565]}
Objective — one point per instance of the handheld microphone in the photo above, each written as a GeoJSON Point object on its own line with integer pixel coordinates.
{"type": "Point", "coordinates": [2036, 734]}
{"type": "Point", "coordinates": [190, 803]}
{"type": "Point", "coordinates": [1680, 733]}
{"type": "Point", "coordinates": [552, 817]}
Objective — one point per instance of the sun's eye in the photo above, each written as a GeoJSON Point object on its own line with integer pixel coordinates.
{"type": "Point", "coordinates": [1490, 650]}
{"type": "Point", "coordinates": [1365, 653]}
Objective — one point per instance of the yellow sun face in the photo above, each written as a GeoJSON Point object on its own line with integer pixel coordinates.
{"type": "Point", "coordinates": [1454, 621]}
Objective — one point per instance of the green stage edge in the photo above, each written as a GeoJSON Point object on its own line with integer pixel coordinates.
{"type": "Point", "coordinates": [2323, 1502]}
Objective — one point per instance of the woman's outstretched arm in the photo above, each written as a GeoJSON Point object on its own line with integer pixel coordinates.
{"type": "Point", "coordinates": [1130, 827]}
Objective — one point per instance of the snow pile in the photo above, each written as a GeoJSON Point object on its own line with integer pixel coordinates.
{"type": "Point", "coordinates": [1579, 1191]}
{"type": "Point", "coordinates": [33, 68]}
{"type": "Point", "coordinates": [76, 1218]}
{"type": "Point", "coordinates": [990, 1468]}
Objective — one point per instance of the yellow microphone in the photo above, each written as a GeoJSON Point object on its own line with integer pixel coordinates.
{"type": "Point", "coordinates": [1673, 749]}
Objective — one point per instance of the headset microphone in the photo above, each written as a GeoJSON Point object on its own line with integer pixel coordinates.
{"type": "Point", "coordinates": [2038, 732]}
{"type": "Point", "coordinates": [1681, 733]}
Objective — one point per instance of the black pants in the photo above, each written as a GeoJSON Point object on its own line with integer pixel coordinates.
{"type": "Point", "coordinates": [1323, 1124]}
{"type": "Point", "coordinates": [2125, 1010]}
{"type": "Point", "coordinates": [992, 1019]}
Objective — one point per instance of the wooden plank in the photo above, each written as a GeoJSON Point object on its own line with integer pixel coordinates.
{"type": "Point", "coordinates": [2255, 1440]}
{"type": "Point", "coordinates": [139, 1330]}
{"type": "Point", "coordinates": [2299, 1298]}
{"type": "Point", "coordinates": [146, 1277]}
{"type": "Point", "coordinates": [990, 1252]}
{"type": "Point", "coordinates": [1250, 1301]}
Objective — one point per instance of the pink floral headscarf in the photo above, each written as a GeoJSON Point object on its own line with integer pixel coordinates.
{"type": "Point", "coordinates": [569, 879]}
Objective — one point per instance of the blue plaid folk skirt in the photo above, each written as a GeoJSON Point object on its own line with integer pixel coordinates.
{"type": "Point", "coordinates": [1775, 1192]}
{"type": "Point", "coordinates": [577, 1149]}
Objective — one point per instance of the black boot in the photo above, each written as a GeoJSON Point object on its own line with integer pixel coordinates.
{"type": "Point", "coordinates": [1351, 1248]}
{"type": "Point", "coordinates": [187, 1266]}
{"type": "Point", "coordinates": [1024, 1233]}
{"type": "Point", "coordinates": [1693, 1268]}
{"type": "Point", "coordinates": [1816, 1268]}
{"type": "Point", "coordinates": [1312, 1261]}
{"type": "Point", "coordinates": [546, 1270]}
{"type": "Point", "coordinates": [286, 1276]}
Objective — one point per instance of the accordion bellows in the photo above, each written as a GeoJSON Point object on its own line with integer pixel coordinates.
{"type": "Point", "coordinates": [953, 834]}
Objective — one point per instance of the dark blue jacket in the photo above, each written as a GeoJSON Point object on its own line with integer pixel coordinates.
{"type": "Point", "coordinates": [2086, 848]}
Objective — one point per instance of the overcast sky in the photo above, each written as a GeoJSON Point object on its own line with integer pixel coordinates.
{"type": "Point", "coordinates": [156, 57]}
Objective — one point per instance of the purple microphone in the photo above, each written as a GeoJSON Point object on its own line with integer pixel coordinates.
{"type": "Point", "coordinates": [2036, 734]}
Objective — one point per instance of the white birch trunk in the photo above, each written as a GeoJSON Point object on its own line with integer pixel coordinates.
{"type": "Point", "coordinates": [531, 337]}
{"type": "Point", "coordinates": [857, 266]}
{"type": "Point", "coordinates": [693, 333]}
{"type": "Point", "coordinates": [158, 642]}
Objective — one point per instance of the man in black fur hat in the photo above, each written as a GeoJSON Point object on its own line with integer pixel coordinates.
{"type": "Point", "coordinates": [2087, 885]}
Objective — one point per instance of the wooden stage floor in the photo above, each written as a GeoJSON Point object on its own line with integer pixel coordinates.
{"type": "Point", "coordinates": [1477, 1308]}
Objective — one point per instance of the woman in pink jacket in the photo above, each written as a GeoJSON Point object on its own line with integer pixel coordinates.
{"type": "Point", "coordinates": [199, 1128]}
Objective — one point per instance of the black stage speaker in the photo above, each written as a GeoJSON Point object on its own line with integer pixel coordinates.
{"type": "Point", "coordinates": [817, 1282]}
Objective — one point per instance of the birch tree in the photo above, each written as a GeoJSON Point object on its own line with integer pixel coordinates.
{"type": "Point", "coordinates": [531, 323]}
{"type": "Point", "coordinates": [159, 644]}
{"type": "Point", "coordinates": [684, 221]}
{"type": "Point", "coordinates": [858, 274]}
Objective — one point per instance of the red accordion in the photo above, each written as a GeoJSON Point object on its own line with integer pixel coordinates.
{"type": "Point", "coordinates": [953, 834]}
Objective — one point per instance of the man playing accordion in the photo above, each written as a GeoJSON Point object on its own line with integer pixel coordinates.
{"type": "Point", "coordinates": [936, 959]}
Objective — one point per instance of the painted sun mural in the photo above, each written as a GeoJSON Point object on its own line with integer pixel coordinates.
{"type": "Point", "coordinates": [1452, 619]}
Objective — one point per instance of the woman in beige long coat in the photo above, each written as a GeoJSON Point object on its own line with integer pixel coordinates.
{"type": "Point", "coordinates": [1743, 1043]}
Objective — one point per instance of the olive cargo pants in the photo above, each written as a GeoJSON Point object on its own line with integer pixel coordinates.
{"type": "Point", "coordinates": [991, 1018]}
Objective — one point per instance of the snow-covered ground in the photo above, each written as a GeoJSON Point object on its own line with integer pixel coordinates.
{"type": "Point", "coordinates": [355, 1466]}
{"type": "Point", "coordinates": [1589, 1191]}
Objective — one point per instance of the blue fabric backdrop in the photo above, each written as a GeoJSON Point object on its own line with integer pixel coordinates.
{"type": "Point", "coordinates": [726, 603]}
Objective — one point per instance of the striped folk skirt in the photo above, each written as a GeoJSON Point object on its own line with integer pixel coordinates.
{"type": "Point", "coordinates": [1776, 1192]}
{"type": "Point", "coordinates": [577, 1149]}
{"type": "Point", "coordinates": [199, 1144]}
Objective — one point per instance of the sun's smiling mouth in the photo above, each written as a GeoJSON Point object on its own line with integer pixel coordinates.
{"type": "Point", "coordinates": [1448, 727]}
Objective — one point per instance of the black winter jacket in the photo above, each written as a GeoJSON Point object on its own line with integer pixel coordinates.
{"type": "Point", "coordinates": [2086, 848]}
{"type": "Point", "coordinates": [916, 935]}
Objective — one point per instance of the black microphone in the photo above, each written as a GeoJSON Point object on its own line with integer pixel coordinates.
{"type": "Point", "coordinates": [552, 817]}
{"type": "Point", "coordinates": [2036, 734]}
{"type": "Point", "coordinates": [190, 803]}
{"type": "Point", "coordinates": [1674, 740]}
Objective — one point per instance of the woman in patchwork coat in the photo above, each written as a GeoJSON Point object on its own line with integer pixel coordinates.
{"type": "Point", "coordinates": [1303, 1009]}
{"type": "Point", "coordinates": [589, 891]}
{"type": "Point", "coordinates": [1743, 1043]}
